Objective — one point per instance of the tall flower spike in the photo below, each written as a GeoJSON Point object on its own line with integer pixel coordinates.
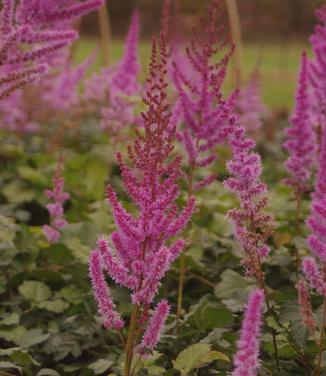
{"type": "Point", "coordinates": [114, 91]}
{"type": "Point", "coordinates": [305, 306]}
{"type": "Point", "coordinates": [317, 219]}
{"type": "Point", "coordinates": [198, 80]}
{"type": "Point", "coordinates": [249, 104]}
{"type": "Point", "coordinates": [314, 276]}
{"type": "Point", "coordinates": [246, 360]}
{"type": "Point", "coordinates": [318, 68]}
{"type": "Point", "coordinates": [143, 248]}
{"type": "Point", "coordinates": [252, 226]}
{"type": "Point", "coordinates": [301, 139]}
{"type": "Point", "coordinates": [59, 197]}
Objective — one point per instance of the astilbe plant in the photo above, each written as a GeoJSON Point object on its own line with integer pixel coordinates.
{"type": "Point", "coordinates": [115, 90]}
{"type": "Point", "coordinates": [252, 225]}
{"type": "Point", "coordinates": [56, 209]}
{"type": "Point", "coordinates": [246, 360]}
{"type": "Point", "coordinates": [142, 248]}
{"type": "Point", "coordinates": [198, 79]}
{"type": "Point", "coordinates": [31, 30]}
{"type": "Point", "coordinates": [314, 268]}
{"type": "Point", "coordinates": [317, 68]}
{"type": "Point", "coordinates": [301, 140]}
{"type": "Point", "coordinates": [249, 105]}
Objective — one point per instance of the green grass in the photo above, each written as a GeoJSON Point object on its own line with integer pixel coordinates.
{"type": "Point", "coordinates": [279, 67]}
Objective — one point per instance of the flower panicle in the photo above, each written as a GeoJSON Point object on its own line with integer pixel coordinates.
{"type": "Point", "coordinates": [301, 139]}
{"type": "Point", "coordinates": [246, 360]}
{"type": "Point", "coordinates": [147, 240]}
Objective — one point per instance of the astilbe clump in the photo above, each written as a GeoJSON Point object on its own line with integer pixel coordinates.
{"type": "Point", "coordinates": [198, 79]}
{"type": "Point", "coordinates": [249, 105]}
{"type": "Point", "coordinates": [301, 140]}
{"type": "Point", "coordinates": [317, 68]}
{"type": "Point", "coordinates": [316, 222]}
{"type": "Point", "coordinates": [142, 248]}
{"type": "Point", "coordinates": [55, 209]}
{"type": "Point", "coordinates": [32, 30]}
{"type": "Point", "coordinates": [252, 225]}
{"type": "Point", "coordinates": [46, 100]}
{"type": "Point", "coordinates": [246, 360]}
{"type": "Point", "coordinates": [114, 91]}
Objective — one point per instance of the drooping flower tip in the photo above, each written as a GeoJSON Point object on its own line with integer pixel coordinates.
{"type": "Point", "coordinates": [110, 317]}
{"type": "Point", "coordinates": [246, 360]}
{"type": "Point", "coordinates": [155, 326]}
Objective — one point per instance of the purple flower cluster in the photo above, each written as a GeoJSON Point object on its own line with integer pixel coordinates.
{"type": "Point", "coordinates": [59, 197]}
{"type": "Point", "coordinates": [246, 360]}
{"type": "Point", "coordinates": [141, 249]}
{"type": "Point", "coordinates": [252, 226]}
{"type": "Point", "coordinates": [249, 105]}
{"type": "Point", "coordinates": [113, 92]}
{"type": "Point", "coordinates": [31, 31]}
{"type": "Point", "coordinates": [301, 140]}
{"type": "Point", "coordinates": [318, 68]}
{"type": "Point", "coordinates": [198, 80]}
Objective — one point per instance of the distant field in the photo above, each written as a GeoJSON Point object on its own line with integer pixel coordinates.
{"type": "Point", "coordinates": [278, 68]}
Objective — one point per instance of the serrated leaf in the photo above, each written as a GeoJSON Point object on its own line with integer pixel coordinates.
{"type": "Point", "coordinates": [193, 357]}
{"type": "Point", "coordinates": [35, 291]}
{"type": "Point", "coordinates": [100, 366]}
{"type": "Point", "coordinates": [233, 285]}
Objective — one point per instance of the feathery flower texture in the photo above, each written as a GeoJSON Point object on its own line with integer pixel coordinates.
{"type": "Point", "coordinates": [318, 68]}
{"type": "Point", "coordinates": [59, 197]}
{"type": "Point", "coordinates": [141, 250]}
{"type": "Point", "coordinates": [198, 80]}
{"type": "Point", "coordinates": [305, 306]}
{"type": "Point", "coordinates": [301, 137]}
{"type": "Point", "coordinates": [246, 360]}
{"type": "Point", "coordinates": [249, 105]}
{"type": "Point", "coordinates": [252, 226]}
{"type": "Point", "coordinates": [32, 30]}
{"type": "Point", "coordinates": [113, 92]}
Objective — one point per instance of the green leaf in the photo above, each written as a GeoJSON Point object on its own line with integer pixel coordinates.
{"type": "Point", "coordinates": [32, 337]}
{"type": "Point", "coordinates": [56, 306]}
{"type": "Point", "coordinates": [35, 291]}
{"type": "Point", "coordinates": [196, 356]}
{"type": "Point", "coordinates": [47, 372]}
{"type": "Point", "coordinates": [209, 316]}
{"type": "Point", "coordinates": [32, 175]}
{"type": "Point", "coordinates": [100, 366]}
{"type": "Point", "coordinates": [9, 365]}
{"type": "Point", "coordinates": [12, 319]}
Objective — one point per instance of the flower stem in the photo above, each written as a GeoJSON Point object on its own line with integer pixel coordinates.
{"type": "Point", "coordinates": [183, 265]}
{"type": "Point", "coordinates": [261, 282]}
{"type": "Point", "coordinates": [321, 340]}
{"type": "Point", "coordinates": [130, 340]}
{"type": "Point", "coordinates": [297, 227]}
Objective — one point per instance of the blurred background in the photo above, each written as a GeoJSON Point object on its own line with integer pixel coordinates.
{"type": "Point", "coordinates": [273, 31]}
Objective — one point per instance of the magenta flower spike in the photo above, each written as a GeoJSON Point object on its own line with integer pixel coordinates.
{"type": "Point", "coordinates": [198, 82]}
{"type": "Point", "coordinates": [301, 140]}
{"type": "Point", "coordinates": [246, 361]}
{"type": "Point", "coordinates": [55, 209]}
{"type": "Point", "coordinates": [305, 306]}
{"type": "Point", "coordinates": [249, 105]}
{"type": "Point", "coordinates": [317, 68]}
{"type": "Point", "coordinates": [315, 277]}
{"type": "Point", "coordinates": [141, 249]}
{"type": "Point", "coordinates": [113, 92]}
{"type": "Point", "coordinates": [252, 225]}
